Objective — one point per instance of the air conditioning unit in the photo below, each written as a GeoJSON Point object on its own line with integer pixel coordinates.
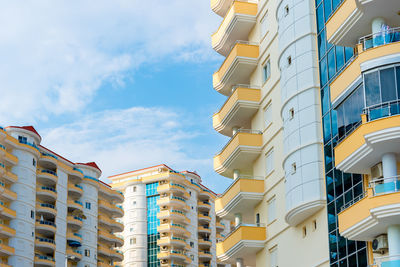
{"type": "Point", "coordinates": [380, 244]}
{"type": "Point", "coordinates": [376, 171]}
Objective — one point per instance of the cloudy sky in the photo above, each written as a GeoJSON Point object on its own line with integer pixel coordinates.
{"type": "Point", "coordinates": [125, 83]}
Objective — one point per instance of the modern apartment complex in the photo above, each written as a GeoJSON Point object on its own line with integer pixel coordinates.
{"type": "Point", "coordinates": [362, 88]}
{"type": "Point", "coordinates": [272, 116]}
{"type": "Point", "coordinates": [53, 212]}
{"type": "Point", "coordinates": [169, 218]}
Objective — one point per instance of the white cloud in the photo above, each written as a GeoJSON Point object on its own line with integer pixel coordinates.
{"type": "Point", "coordinates": [128, 139]}
{"type": "Point", "coordinates": [55, 55]}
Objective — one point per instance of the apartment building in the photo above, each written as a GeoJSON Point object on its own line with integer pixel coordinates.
{"type": "Point", "coordinates": [53, 212]}
{"type": "Point", "coordinates": [169, 218]}
{"type": "Point", "coordinates": [361, 85]}
{"type": "Point", "coordinates": [272, 117]}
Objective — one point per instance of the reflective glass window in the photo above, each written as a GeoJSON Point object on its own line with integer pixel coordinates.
{"type": "Point", "coordinates": [388, 84]}
{"type": "Point", "coordinates": [372, 92]}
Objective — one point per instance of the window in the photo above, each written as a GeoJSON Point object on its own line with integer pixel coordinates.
{"type": "Point", "coordinates": [294, 167]}
{"type": "Point", "coordinates": [273, 257]}
{"type": "Point", "coordinates": [132, 241]}
{"type": "Point", "coordinates": [271, 210]}
{"type": "Point", "coordinates": [264, 25]}
{"type": "Point", "coordinates": [269, 161]}
{"type": "Point", "coordinates": [289, 60]}
{"type": "Point", "coordinates": [268, 115]}
{"type": "Point", "coordinates": [258, 219]}
{"type": "Point", "coordinates": [315, 225]}
{"type": "Point", "coordinates": [131, 230]}
{"type": "Point", "coordinates": [304, 231]}
{"type": "Point", "coordinates": [32, 214]}
{"type": "Point", "coordinates": [34, 162]}
{"type": "Point", "coordinates": [267, 70]}
{"type": "Point", "coordinates": [134, 189]}
{"type": "Point", "coordinates": [87, 205]}
{"type": "Point", "coordinates": [87, 253]}
{"type": "Point", "coordinates": [22, 139]}
{"type": "Point", "coordinates": [291, 113]}
{"type": "Point", "coordinates": [191, 244]}
{"type": "Point", "coordinates": [286, 10]}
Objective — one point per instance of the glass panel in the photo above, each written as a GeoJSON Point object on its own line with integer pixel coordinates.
{"type": "Point", "coordinates": [339, 57]}
{"type": "Point", "coordinates": [325, 99]}
{"type": "Point", "coordinates": [347, 181]}
{"type": "Point", "coordinates": [335, 4]}
{"type": "Point", "coordinates": [328, 9]}
{"type": "Point", "coordinates": [342, 247]}
{"type": "Point", "coordinates": [351, 246]}
{"type": "Point", "coordinates": [340, 120]}
{"type": "Point", "coordinates": [320, 18]}
{"type": "Point", "coordinates": [327, 127]}
{"type": "Point", "coordinates": [334, 123]}
{"type": "Point", "coordinates": [321, 44]}
{"type": "Point", "coordinates": [349, 52]}
{"type": "Point", "coordinates": [323, 72]}
{"type": "Point", "coordinates": [388, 84]}
{"type": "Point", "coordinates": [353, 261]}
{"type": "Point", "coordinates": [332, 246]}
{"type": "Point", "coordinates": [362, 258]}
{"type": "Point", "coordinates": [372, 93]}
{"type": "Point", "coordinates": [398, 81]}
{"type": "Point", "coordinates": [330, 189]}
{"type": "Point", "coordinates": [331, 216]}
{"type": "Point", "coordinates": [338, 183]}
{"type": "Point", "coordinates": [328, 157]}
{"type": "Point", "coordinates": [331, 64]}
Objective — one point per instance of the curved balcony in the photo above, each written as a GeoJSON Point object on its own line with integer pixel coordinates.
{"type": "Point", "coordinates": [243, 242]}
{"type": "Point", "coordinates": [118, 196]}
{"type": "Point", "coordinates": [239, 153]}
{"type": "Point", "coordinates": [176, 215]}
{"type": "Point", "coordinates": [45, 245]}
{"type": "Point", "coordinates": [8, 175]}
{"type": "Point", "coordinates": [105, 206]}
{"type": "Point", "coordinates": [117, 226]}
{"type": "Point", "coordinates": [44, 261]}
{"type": "Point", "coordinates": [238, 110]}
{"type": "Point", "coordinates": [117, 255]}
{"type": "Point", "coordinates": [174, 241]}
{"type": "Point", "coordinates": [175, 188]}
{"type": "Point", "coordinates": [243, 194]}
{"type": "Point", "coordinates": [45, 227]}
{"type": "Point", "coordinates": [75, 190]}
{"type": "Point", "coordinates": [74, 254]}
{"type": "Point", "coordinates": [204, 229]}
{"type": "Point", "coordinates": [353, 19]}
{"type": "Point", "coordinates": [6, 212]}
{"type": "Point", "coordinates": [104, 220]}
{"type": "Point", "coordinates": [109, 238]}
{"type": "Point", "coordinates": [205, 255]}
{"type": "Point", "coordinates": [219, 226]}
{"type": "Point", "coordinates": [174, 228]}
{"type": "Point", "coordinates": [373, 212]}
{"type": "Point", "coordinates": [204, 243]}
{"type": "Point", "coordinates": [73, 238]}
{"type": "Point", "coordinates": [46, 193]}
{"type": "Point", "coordinates": [74, 222]}
{"type": "Point", "coordinates": [221, 7]}
{"type": "Point", "coordinates": [10, 158]}
{"type": "Point", "coordinates": [237, 68]}
{"type": "Point", "coordinates": [173, 255]}
{"type": "Point", "coordinates": [352, 72]}
{"type": "Point", "coordinates": [6, 250]}
{"type": "Point", "coordinates": [103, 250]}
{"type": "Point", "coordinates": [204, 218]}
{"type": "Point", "coordinates": [366, 145]}
{"type": "Point", "coordinates": [6, 231]}
{"type": "Point", "coordinates": [74, 204]}
{"type": "Point", "coordinates": [75, 175]}
{"type": "Point", "coordinates": [236, 25]}
{"type": "Point", "coordinates": [7, 193]}
{"type": "Point", "coordinates": [203, 205]}
{"type": "Point", "coordinates": [47, 177]}
{"type": "Point", "coordinates": [172, 201]}
{"type": "Point", "coordinates": [48, 161]}
{"type": "Point", "coordinates": [118, 211]}
{"type": "Point", "coordinates": [46, 209]}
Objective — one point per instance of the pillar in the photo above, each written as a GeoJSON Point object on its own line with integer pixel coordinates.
{"type": "Point", "coordinates": [393, 234]}
{"type": "Point", "coordinates": [239, 262]}
{"type": "Point", "coordinates": [236, 174]}
{"type": "Point", "coordinates": [238, 219]}
{"type": "Point", "coordinates": [235, 130]}
{"type": "Point", "coordinates": [389, 165]}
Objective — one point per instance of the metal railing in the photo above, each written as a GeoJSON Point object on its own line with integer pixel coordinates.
{"type": "Point", "coordinates": [354, 201]}
{"type": "Point", "coordinates": [52, 189]}
{"type": "Point", "coordinates": [49, 172]}
{"type": "Point", "coordinates": [48, 155]}
{"type": "Point", "coordinates": [46, 222]}
{"type": "Point", "coordinates": [384, 186]}
{"type": "Point", "coordinates": [43, 257]}
{"type": "Point", "coordinates": [384, 37]}
{"type": "Point", "coordinates": [46, 205]}
{"type": "Point", "coordinates": [47, 240]}
{"type": "Point", "coordinates": [382, 110]}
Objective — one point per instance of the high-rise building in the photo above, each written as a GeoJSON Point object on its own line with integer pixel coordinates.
{"type": "Point", "coordinates": [169, 218]}
{"type": "Point", "coordinates": [361, 92]}
{"type": "Point", "coordinates": [272, 116]}
{"type": "Point", "coordinates": [53, 212]}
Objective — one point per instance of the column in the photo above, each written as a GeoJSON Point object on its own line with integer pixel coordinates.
{"type": "Point", "coordinates": [235, 130]}
{"type": "Point", "coordinates": [393, 233]}
{"type": "Point", "coordinates": [238, 219]}
{"type": "Point", "coordinates": [389, 165]}
{"type": "Point", "coordinates": [236, 174]}
{"type": "Point", "coordinates": [239, 262]}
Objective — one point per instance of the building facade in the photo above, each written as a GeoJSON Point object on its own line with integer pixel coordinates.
{"type": "Point", "coordinates": [51, 208]}
{"type": "Point", "coordinates": [362, 109]}
{"type": "Point", "coordinates": [272, 115]}
{"type": "Point", "coordinates": [169, 218]}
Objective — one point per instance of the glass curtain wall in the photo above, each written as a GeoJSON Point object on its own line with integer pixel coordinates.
{"type": "Point", "coordinates": [340, 187]}
{"type": "Point", "coordinates": [152, 223]}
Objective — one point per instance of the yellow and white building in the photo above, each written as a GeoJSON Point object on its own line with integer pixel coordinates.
{"type": "Point", "coordinates": [272, 117]}
{"type": "Point", "coordinates": [52, 210]}
{"type": "Point", "coordinates": [366, 97]}
{"type": "Point", "coordinates": [169, 218]}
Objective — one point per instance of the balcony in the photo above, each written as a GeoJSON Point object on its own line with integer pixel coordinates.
{"type": "Point", "coordinates": [6, 212]}
{"type": "Point", "coordinates": [74, 254]}
{"type": "Point", "coordinates": [74, 204]}
{"type": "Point", "coordinates": [173, 214]}
{"type": "Point", "coordinates": [204, 230]}
{"type": "Point", "coordinates": [75, 175]}
{"type": "Point", "coordinates": [75, 190]}
{"type": "Point", "coordinates": [238, 110]}
{"type": "Point", "coordinates": [45, 227]}
{"type": "Point", "coordinates": [172, 201]}
{"type": "Point", "coordinates": [173, 255]}
{"type": "Point", "coordinates": [370, 215]}
{"type": "Point", "coordinates": [10, 158]}
{"type": "Point", "coordinates": [205, 255]}
{"type": "Point", "coordinates": [203, 205]}
{"type": "Point", "coordinates": [204, 243]}
{"type": "Point", "coordinates": [365, 146]}
{"type": "Point", "coordinates": [220, 227]}
{"type": "Point", "coordinates": [46, 209]}
{"type": "Point", "coordinates": [74, 239]}
{"type": "Point", "coordinates": [117, 255]}
{"type": "Point", "coordinates": [236, 25]}
{"type": "Point", "coordinates": [174, 228]}
{"type": "Point", "coordinates": [243, 242]}
{"type": "Point", "coordinates": [243, 194]}
{"type": "Point", "coordinates": [6, 193]}
{"type": "Point", "coordinates": [47, 177]}
{"type": "Point", "coordinates": [46, 193]}
{"type": "Point", "coordinates": [204, 218]}
{"type": "Point", "coordinates": [221, 7]}
{"type": "Point", "coordinates": [45, 245]}
{"type": "Point", "coordinates": [6, 250]}
{"type": "Point", "coordinates": [42, 260]}
{"type": "Point", "coordinates": [353, 19]}
{"type": "Point", "coordinates": [174, 241]}
{"type": "Point", "coordinates": [175, 188]}
{"type": "Point", "coordinates": [74, 222]}
{"type": "Point", "coordinates": [109, 238]}
{"type": "Point", "coordinates": [48, 161]}
{"type": "Point", "coordinates": [103, 250]}
{"type": "Point", "coordinates": [239, 153]}
{"type": "Point", "coordinates": [8, 175]}
{"type": "Point", "coordinates": [6, 231]}
{"type": "Point", "coordinates": [237, 68]}
{"type": "Point", "coordinates": [368, 50]}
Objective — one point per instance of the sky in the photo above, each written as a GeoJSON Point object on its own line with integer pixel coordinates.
{"type": "Point", "coordinates": [124, 83]}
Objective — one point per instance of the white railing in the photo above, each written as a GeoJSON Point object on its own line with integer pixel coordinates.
{"type": "Point", "coordinates": [384, 186]}
{"type": "Point", "coordinates": [387, 261]}
{"type": "Point", "coordinates": [388, 36]}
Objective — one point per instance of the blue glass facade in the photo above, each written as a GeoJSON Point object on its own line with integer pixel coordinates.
{"type": "Point", "coordinates": [152, 223]}
{"type": "Point", "coordinates": [340, 187]}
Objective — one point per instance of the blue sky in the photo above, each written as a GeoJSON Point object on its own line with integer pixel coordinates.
{"type": "Point", "coordinates": [127, 84]}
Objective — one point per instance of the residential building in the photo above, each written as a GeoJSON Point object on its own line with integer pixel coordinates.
{"type": "Point", "coordinates": [361, 85]}
{"type": "Point", "coordinates": [169, 218]}
{"type": "Point", "coordinates": [272, 117]}
{"type": "Point", "coordinates": [52, 209]}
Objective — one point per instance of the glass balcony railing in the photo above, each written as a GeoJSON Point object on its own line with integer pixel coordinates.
{"type": "Point", "coordinates": [178, 198]}
{"type": "Point", "coordinates": [91, 178]}
{"type": "Point", "coordinates": [380, 38]}
{"type": "Point", "coordinates": [47, 240]}
{"type": "Point", "coordinates": [46, 222]}
{"type": "Point", "coordinates": [46, 205]}
{"type": "Point", "coordinates": [387, 261]}
{"type": "Point", "coordinates": [385, 185]}
{"type": "Point", "coordinates": [43, 257]}
{"type": "Point", "coordinates": [78, 170]}
{"type": "Point", "coordinates": [48, 155]}
{"type": "Point", "coordinates": [49, 189]}
{"type": "Point", "coordinates": [23, 141]}
{"type": "Point", "coordinates": [79, 186]}
{"type": "Point", "coordinates": [382, 110]}
{"type": "Point", "coordinates": [49, 171]}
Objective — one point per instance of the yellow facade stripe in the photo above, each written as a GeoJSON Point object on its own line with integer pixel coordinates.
{"type": "Point", "coordinates": [242, 233]}
{"type": "Point", "coordinates": [338, 18]}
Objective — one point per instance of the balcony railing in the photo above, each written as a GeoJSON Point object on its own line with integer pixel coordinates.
{"type": "Point", "coordinates": [46, 222]}
{"type": "Point", "coordinates": [241, 177]}
{"type": "Point", "coordinates": [380, 38]}
{"type": "Point", "coordinates": [48, 155]}
{"type": "Point", "coordinates": [250, 131]}
{"type": "Point", "coordinates": [382, 110]}
{"type": "Point", "coordinates": [43, 257]}
{"type": "Point", "coordinates": [49, 189]}
{"type": "Point", "coordinates": [387, 261]}
{"type": "Point", "coordinates": [77, 169]}
{"type": "Point", "coordinates": [49, 172]}
{"type": "Point", "coordinates": [79, 186]}
{"type": "Point", "coordinates": [239, 225]}
{"type": "Point", "coordinates": [47, 240]}
{"type": "Point", "coordinates": [385, 185]}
